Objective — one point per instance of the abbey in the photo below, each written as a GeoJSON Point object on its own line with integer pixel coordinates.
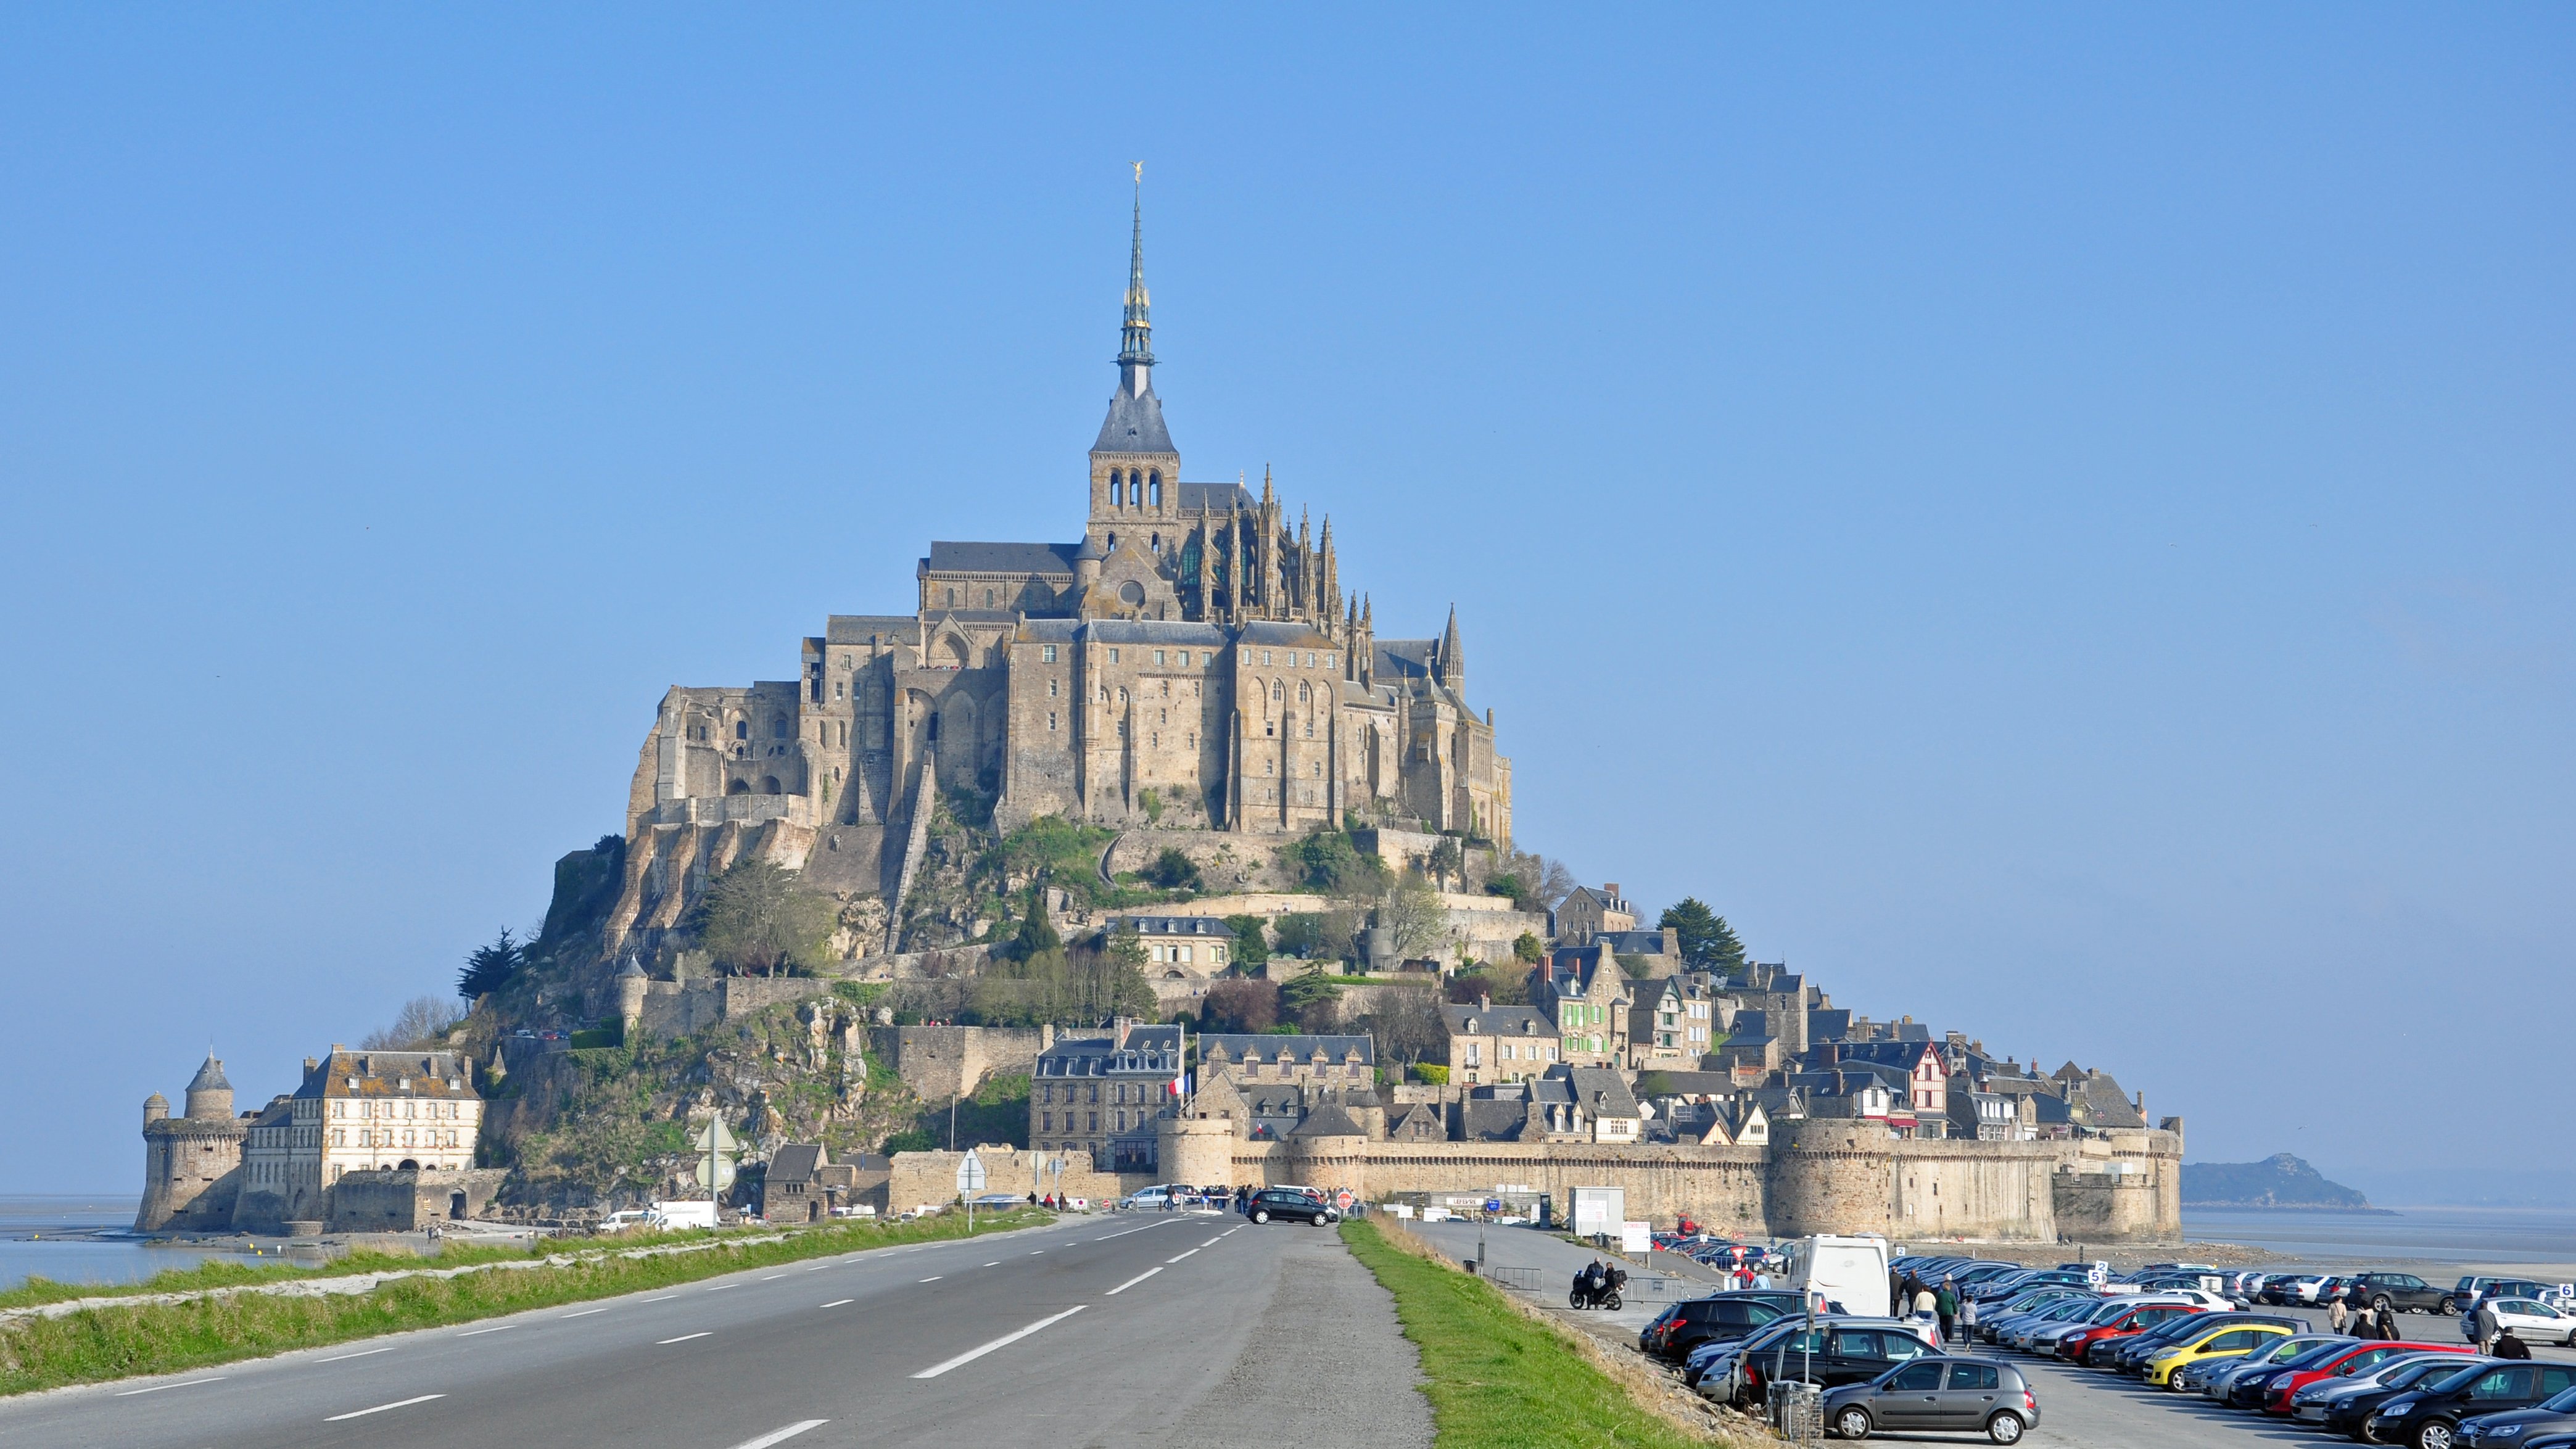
{"type": "Point", "coordinates": [1192, 658]}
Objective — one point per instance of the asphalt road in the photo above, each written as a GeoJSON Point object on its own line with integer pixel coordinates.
{"type": "Point", "coordinates": [1115, 1330]}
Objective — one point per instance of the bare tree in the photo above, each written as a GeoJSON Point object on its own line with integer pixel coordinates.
{"type": "Point", "coordinates": [758, 916]}
{"type": "Point", "coordinates": [1412, 913]}
{"type": "Point", "coordinates": [422, 1020]}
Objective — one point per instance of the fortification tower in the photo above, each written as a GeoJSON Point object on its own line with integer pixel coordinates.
{"type": "Point", "coordinates": [1831, 1175]}
{"type": "Point", "coordinates": [630, 997]}
{"type": "Point", "coordinates": [192, 1163]}
{"type": "Point", "coordinates": [1196, 1150]}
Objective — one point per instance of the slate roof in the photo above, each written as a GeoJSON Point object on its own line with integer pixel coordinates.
{"type": "Point", "coordinates": [1329, 1120]}
{"type": "Point", "coordinates": [1496, 1021]}
{"type": "Point", "coordinates": [210, 1078]}
{"type": "Point", "coordinates": [796, 1162]}
{"type": "Point", "coordinates": [1598, 1090]}
{"type": "Point", "coordinates": [383, 1074]}
{"type": "Point", "coordinates": [1286, 631]}
{"type": "Point", "coordinates": [1216, 498]}
{"type": "Point", "coordinates": [1175, 926]}
{"type": "Point", "coordinates": [1000, 558]}
{"type": "Point", "coordinates": [1149, 1051]}
{"type": "Point", "coordinates": [865, 628]}
{"type": "Point", "coordinates": [1134, 425]}
{"type": "Point", "coordinates": [1270, 1046]}
{"type": "Point", "coordinates": [1485, 1119]}
{"type": "Point", "coordinates": [1635, 943]}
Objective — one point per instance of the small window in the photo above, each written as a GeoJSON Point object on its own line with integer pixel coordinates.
{"type": "Point", "coordinates": [1113, 656]}
{"type": "Point", "coordinates": [952, 598]}
{"type": "Point", "coordinates": [1050, 721]}
{"type": "Point", "coordinates": [988, 598]}
{"type": "Point", "coordinates": [1265, 656]}
{"type": "Point", "coordinates": [742, 729]}
{"type": "Point", "coordinates": [1328, 662]}
{"type": "Point", "coordinates": [1185, 658]}
{"type": "Point", "coordinates": [838, 686]}
{"type": "Point", "coordinates": [1046, 654]}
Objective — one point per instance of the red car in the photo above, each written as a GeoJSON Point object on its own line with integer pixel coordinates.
{"type": "Point", "coordinates": [2078, 1347]}
{"type": "Point", "coordinates": [2361, 1358]}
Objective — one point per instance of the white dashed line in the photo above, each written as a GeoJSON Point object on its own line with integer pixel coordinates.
{"type": "Point", "coordinates": [774, 1277]}
{"type": "Point", "coordinates": [683, 1338]}
{"type": "Point", "coordinates": [1184, 1255]}
{"type": "Point", "coordinates": [380, 1408]}
{"type": "Point", "coordinates": [837, 1302]}
{"type": "Point", "coordinates": [185, 1384]}
{"type": "Point", "coordinates": [781, 1436]}
{"type": "Point", "coordinates": [972, 1354]}
{"type": "Point", "coordinates": [1038, 1253]}
{"type": "Point", "coordinates": [935, 1277]}
{"type": "Point", "coordinates": [585, 1313]}
{"type": "Point", "coordinates": [476, 1332]}
{"type": "Point", "coordinates": [1132, 1282]}
{"type": "Point", "coordinates": [1212, 1242]}
{"type": "Point", "coordinates": [720, 1287]}
{"type": "Point", "coordinates": [994, 1264]}
{"type": "Point", "coordinates": [361, 1353]}
{"type": "Point", "coordinates": [665, 1298]}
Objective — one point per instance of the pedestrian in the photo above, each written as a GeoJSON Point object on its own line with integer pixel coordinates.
{"type": "Point", "coordinates": [2388, 1323]}
{"type": "Point", "coordinates": [1926, 1302]}
{"type": "Point", "coordinates": [1946, 1303]}
{"type": "Point", "coordinates": [2338, 1316]}
{"type": "Point", "coordinates": [2508, 1346]}
{"type": "Point", "coordinates": [1967, 1320]}
{"type": "Point", "coordinates": [2480, 1325]}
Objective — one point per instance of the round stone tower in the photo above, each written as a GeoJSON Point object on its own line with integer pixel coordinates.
{"type": "Point", "coordinates": [1831, 1175]}
{"type": "Point", "coordinates": [156, 1108]}
{"type": "Point", "coordinates": [210, 1096]}
{"type": "Point", "coordinates": [630, 997]}
{"type": "Point", "coordinates": [1196, 1150]}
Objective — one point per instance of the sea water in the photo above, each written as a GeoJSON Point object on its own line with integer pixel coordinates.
{"type": "Point", "coordinates": [56, 1238]}
{"type": "Point", "coordinates": [2518, 1239]}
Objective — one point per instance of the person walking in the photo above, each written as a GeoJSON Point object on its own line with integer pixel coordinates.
{"type": "Point", "coordinates": [1926, 1303]}
{"type": "Point", "coordinates": [2337, 1317]}
{"type": "Point", "coordinates": [2508, 1346]}
{"type": "Point", "coordinates": [2387, 1323]}
{"type": "Point", "coordinates": [2480, 1325]}
{"type": "Point", "coordinates": [1946, 1303]}
{"type": "Point", "coordinates": [1968, 1320]}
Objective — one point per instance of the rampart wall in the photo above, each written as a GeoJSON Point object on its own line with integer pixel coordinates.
{"type": "Point", "coordinates": [940, 1062]}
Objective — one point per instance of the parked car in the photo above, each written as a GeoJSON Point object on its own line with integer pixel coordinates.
{"type": "Point", "coordinates": [2219, 1383]}
{"type": "Point", "coordinates": [1957, 1395]}
{"type": "Point", "coordinates": [2223, 1340]}
{"type": "Point", "coordinates": [2428, 1416]}
{"type": "Point", "coordinates": [1685, 1326]}
{"type": "Point", "coordinates": [2465, 1294]}
{"type": "Point", "coordinates": [2133, 1317]}
{"type": "Point", "coordinates": [2275, 1394]}
{"type": "Point", "coordinates": [2128, 1355]}
{"type": "Point", "coordinates": [2343, 1408]}
{"type": "Point", "coordinates": [1722, 1368]}
{"type": "Point", "coordinates": [2398, 1292]}
{"type": "Point", "coordinates": [2509, 1430]}
{"type": "Point", "coordinates": [2532, 1321]}
{"type": "Point", "coordinates": [1850, 1351]}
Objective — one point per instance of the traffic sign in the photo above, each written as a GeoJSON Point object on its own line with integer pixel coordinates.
{"type": "Point", "coordinates": [970, 1174]}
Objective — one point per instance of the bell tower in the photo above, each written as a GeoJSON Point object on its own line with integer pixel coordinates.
{"type": "Point", "coordinates": [1135, 471]}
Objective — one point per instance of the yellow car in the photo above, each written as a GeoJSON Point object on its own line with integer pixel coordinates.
{"type": "Point", "coordinates": [2221, 1341]}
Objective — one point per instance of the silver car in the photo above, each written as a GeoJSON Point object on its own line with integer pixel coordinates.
{"type": "Point", "coordinates": [1938, 1393]}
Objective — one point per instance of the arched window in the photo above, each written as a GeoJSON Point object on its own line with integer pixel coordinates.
{"type": "Point", "coordinates": [1305, 692]}
{"type": "Point", "coordinates": [769, 785]}
{"type": "Point", "coordinates": [778, 728]}
{"type": "Point", "coordinates": [742, 729]}
{"type": "Point", "coordinates": [1154, 487]}
{"type": "Point", "coordinates": [739, 787]}
{"type": "Point", "coordinates": [952, 598]}
{"type": "Point", "coordinates": [1278, 690]}
{"type": "Point", "coordinates": [988, 598]}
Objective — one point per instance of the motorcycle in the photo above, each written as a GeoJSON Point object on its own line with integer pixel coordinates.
{"type": "Point", "coordinates": [1601, 1294]}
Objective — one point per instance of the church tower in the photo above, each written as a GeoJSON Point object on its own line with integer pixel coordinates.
{"type": "Point", "coordinates": [1135, 471]}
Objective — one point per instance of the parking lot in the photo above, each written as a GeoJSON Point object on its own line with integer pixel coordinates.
{"type": "Point", "coordinates": [2080, 1408]}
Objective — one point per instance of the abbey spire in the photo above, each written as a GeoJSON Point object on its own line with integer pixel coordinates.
{"type": "Point", "coordinates": [1136, 335]}
{"type": "Point", "coordinates": [1135, 470]}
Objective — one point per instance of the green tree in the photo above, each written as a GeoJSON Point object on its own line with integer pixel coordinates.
{"type": "Point", "coordinates": [1037, 934]}
{"type": "Point", "coordinates": [1412, 913]}
{"type": "Point", "coordinates": [489, 968]}
{"type": "Point", "coordinates": [1446, 860]}
{"type": "Point", "coordinates": [1251, 940]}
{"type": "Point", "coordinates": [1173, 871]}
{"type": "Point", "coordinates": [1527, 947]}
{"type": "Point", "coordinates": [1313, 999]}
{"type": "Point", "coordinates": [1637, 968]}
{"type": "Point", "coordinates": [758, 916]}
{"type": "Point", "coordinates": [1708, 943]}
{"type": "Point", "coordinates": [1331, 862]}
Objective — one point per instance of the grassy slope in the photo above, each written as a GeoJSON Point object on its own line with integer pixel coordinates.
{"type": "Point", "coordinates": [1500, 1380]}
{"type": "Point", "coordinates": [111, 1343]}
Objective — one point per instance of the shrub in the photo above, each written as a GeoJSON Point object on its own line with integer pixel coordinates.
{"type": "Point", "coordinates": [1173, 871]}
{"type": "Point", "coordinates": [1240, 1005]}
{"type": "Point", "coordinates": [1251, 940]}
{"type": "Point", "coordinates": [1427, 1072]}
{"type": "Point", "coordinates": [759, 916]}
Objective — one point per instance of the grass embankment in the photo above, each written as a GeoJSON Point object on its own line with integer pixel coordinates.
{"type": "Point", "coordinates": [97, 1344]}
{"type": "Point", "coordinates": [1500, 1377]}
{"type": "Point", "coordinates": [230, 1273]}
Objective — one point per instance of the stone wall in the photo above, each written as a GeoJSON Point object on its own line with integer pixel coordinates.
{"type": "Point", "coordinates": [920, 1179]}
{"type": "Point", "coordinates": [940, 1062]}
{"type": "Point", "coordinates": [398, 1201]}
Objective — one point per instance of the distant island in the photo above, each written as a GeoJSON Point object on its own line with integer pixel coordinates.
{"type": "Point", "coordinates": [2279, 1181]}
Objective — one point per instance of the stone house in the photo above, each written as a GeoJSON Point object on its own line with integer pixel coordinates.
{"type": "Point", "coordinates": [1489, 1043]}
{"type": "Point", "coordinates": [1336, 1060]}
{"type": "Point", "coordinates": [1670, 1020]}
{"type": "Point", "coordinates": [1586, 996]}
{"type": "Point", "coordinates": [1586, 913]}
{"type": "Point", "coordinates": [1183, 954]}
{"type": "Point", "coordinates": [1101, 1095]}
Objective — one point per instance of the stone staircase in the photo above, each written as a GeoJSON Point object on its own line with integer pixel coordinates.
{"type": "Point", "coordinates": [925, 776]}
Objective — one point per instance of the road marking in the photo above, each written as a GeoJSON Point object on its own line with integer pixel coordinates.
{"type": "Point", "coordinates": [1005, 1341]}
{"type": "Point", "coordinates": [994, 1264]}
{"type": "Point", "coordinates": [502, 1328]}
{"type": "Point", "coordinates": [817, 1268]}
{"type": "Point", "coordinates": [1230, 1232]}
{"type": "Point", "coordinates": [781, 1436]}
{"type": "Point", "coordinates": [380, 1408]}
{"type": "Point", "coordinates": [1038, 1253]}
{"type": "Point", "coordinates": [585, 1313]}
{"type": "Point", "coordinates": [1184, 1255]}
{"type": "Point", "coordinates": [185, 1384]}
{"type": "Point", "coordinates": [935, 1277]}
{"type": "Point", "coordinates": [774, 1277]}
{"type": "Point", "coordinates": [837, 1302]}
{"type": "Point", "coordinates": [720, 1287]}
{"type": "Point", "coordinates": [1212, 1242]}
{"type": "Point", "coordinates": [1132, 1282]}
{"type": "Point", "coordinates": [665, 1298]}
{"type": "Point", "coordinates": [361, 1353]}
{"type": "Point", "coordinates": [683, 1338]}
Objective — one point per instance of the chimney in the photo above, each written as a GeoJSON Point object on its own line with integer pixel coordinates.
{"type": "Point", "coordinates": [1610, 889]}
{"type": "Point", "coordinates": [1484, 1001]}
{"type": "Point", "coordinates": [309, 1065]}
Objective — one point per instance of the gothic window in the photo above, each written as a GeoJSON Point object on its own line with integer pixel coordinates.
{"type": "Point", "coordinates": [1104, 694]}
{"type": "Point", "coordinates": [988, 598]}
{"type": "Point", "coordinates": [952, 598]}
{"type": "Point", "coordinates": [1154, 483]}
{"type": "Point", "coordinates": [1305, 693]}
{"type": "Point", "coordinates": [778, 729]}
{"type": "Point", "coordinates": [1278, 690]}
{"type": "Point", "coordinates": [742, 729]}
{"type": "Point", "coordinates": [1135, 492]}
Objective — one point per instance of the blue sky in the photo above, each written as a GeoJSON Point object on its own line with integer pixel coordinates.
{"type": "Point", "coordinates": [2055, 521]}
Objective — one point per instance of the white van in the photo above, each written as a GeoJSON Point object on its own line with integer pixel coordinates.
{"type": "Point", "coordinates": [676, 1215]}
{"type": "Point", "coordinates": [1851, 1272]}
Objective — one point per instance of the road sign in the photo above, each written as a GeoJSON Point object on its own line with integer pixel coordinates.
{"type": "Point", "coordinates": [970, 1174]}
{"type": "Point", "coordinates": [716, 1149]}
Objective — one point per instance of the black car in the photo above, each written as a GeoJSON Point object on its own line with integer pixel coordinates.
{"type": "Point", "coordinates": [2348, 1410]}
{"type": "Point", "coordinates": [1281, 1203]}
{"type": "Point", "coordinates": [1832, 1354]}
{"type": "Point", "coordinates": [1961, 1395]}
{"type": "Point", "coordinates": [1721, 1317]}
{"type": "Point", "coordinates": [2509, 1430]}
{"type": "Point", "coordinates": [2428, 1416]}
{"type": "Point", "coordinates": [2401, 1292]}
{"type": "Point", "coordinates": [2130, 1354]}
